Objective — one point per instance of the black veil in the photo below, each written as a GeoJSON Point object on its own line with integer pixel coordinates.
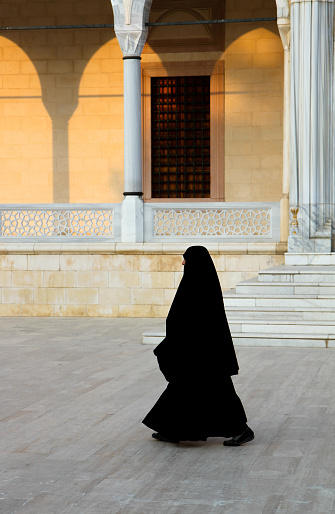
{"type": "Point", "coordinates": [198, 339]}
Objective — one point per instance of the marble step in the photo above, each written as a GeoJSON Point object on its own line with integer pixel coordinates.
{"type": "Point", "coordinates": [277, 301]}
{"type": "Point", "coordinates": [285, 340]}
{"type": "Point", "coordinates": [255, 287]}
{"type": "Point", "coordinates": [289, 339]}
{"type": "Point", "coordinates": [283, 327]}
{"type": "Point", "coordinates": [310, 259]}
{"type": "Point", "coordinates": [275, 314]}
{"type": "Point", "coordinates": [318, 274]}
{"type": "Point", "coordinates": [291, 305]}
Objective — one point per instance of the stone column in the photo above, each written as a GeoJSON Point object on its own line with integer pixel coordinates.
{"type": "Point", "coordinates": [284, 26]}
{"type": "Point", "coordinates": [129, 24]}
{"type": "Point", "coordinates": [311, 137]}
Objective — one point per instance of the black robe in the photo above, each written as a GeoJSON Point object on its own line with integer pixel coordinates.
{"type": "Point", "coordinates": [197, 358]}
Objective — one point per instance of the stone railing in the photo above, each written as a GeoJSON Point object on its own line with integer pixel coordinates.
{"type": "Point", "coordinates": [172, 222]}
{"type": "Point", "coordinates": [60, 221]}
{"type": "Point", "coordinates": [212, 221]}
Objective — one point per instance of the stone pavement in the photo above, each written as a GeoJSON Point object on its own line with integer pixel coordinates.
{"type": "Point", "coordinates": [74, 392]}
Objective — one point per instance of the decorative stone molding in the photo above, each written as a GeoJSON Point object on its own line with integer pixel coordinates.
{"type": "Point", "coordinates": [283, 8]}
{"type": "Point", "coordinates": [284, 27]}
{"type": "Point", "coordinates": [57, 248]}
{"type": "Point", "coordinates": [130, 18]}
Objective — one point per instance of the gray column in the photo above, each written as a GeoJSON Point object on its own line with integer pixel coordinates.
{"type": "Point", "coordinates": [132, 229]}
{"type": "Point", "coordinates": [132, 126]}
{"type": "Point", "coordinates": [130, 29]}
{"type": "Point", "coordinates": [311, 137]}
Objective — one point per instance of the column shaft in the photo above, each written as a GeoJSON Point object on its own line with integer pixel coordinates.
{"type": "Point", "coordinates": [284, 27]}
{"type": "Point", "coordinates": [132, 126]}
{"type": "Point", "coordinates": [311, 145]}
{"type": "Point", "coordinates": [284, 203]}
{"type": "Point", "coordinates": [286, 123]}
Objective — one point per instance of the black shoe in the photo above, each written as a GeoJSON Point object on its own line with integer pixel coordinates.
{"type": "Point", "coordinates": [243, 438]}
{"type": "Point", "coordinates": [164, 438]}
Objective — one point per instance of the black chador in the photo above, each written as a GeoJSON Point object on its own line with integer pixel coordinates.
{"type": "Point", "coordinates": [197, 358]}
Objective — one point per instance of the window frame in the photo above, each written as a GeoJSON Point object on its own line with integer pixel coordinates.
{"type": "Point", "coordinates": [215, 69]}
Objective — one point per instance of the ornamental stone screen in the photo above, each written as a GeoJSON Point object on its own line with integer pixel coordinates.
{"type": "Point", "coordinates": [217, 221]}
{"type": "Point", "coordinates": [46, 222]}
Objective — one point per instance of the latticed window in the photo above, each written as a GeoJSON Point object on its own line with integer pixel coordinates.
{"type": "Point", "coordinates": [180, 137]}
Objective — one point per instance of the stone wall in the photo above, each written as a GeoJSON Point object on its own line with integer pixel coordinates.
{"type": "Point", "coordinates": [126, 280]}
{"type": "Point", "coordinates": [254, 79]}
{"type": "Point", "coordinates": [61, 101]}
{"type": "Point", "coordinates": [61, 104]}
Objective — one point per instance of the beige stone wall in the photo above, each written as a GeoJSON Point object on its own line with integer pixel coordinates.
{"type": "Point", "coordinates": [254, 78]}
{"type": "Point", "coordinates": [61, 101]}
{"type": "Point", "coordinates": [113, 279]}
{"type": "Point", "coordinates": [61, 105]}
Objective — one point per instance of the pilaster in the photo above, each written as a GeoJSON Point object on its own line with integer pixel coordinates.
{"type": "Point", "coordinates": [284, 27]}
{"type": "Point", "coordinates": [311, 125]}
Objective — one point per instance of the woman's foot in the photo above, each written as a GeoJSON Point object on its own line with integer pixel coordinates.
{"type": "Point", "coordinates": [164, 438]}
{"type": "Point", "coordinates": [243, 438]}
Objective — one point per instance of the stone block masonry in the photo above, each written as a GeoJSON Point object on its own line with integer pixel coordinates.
{"type": "Point", "coordinates": [113, 279]}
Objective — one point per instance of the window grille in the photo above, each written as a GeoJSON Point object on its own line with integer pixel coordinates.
{"type": "Point", "coordinates": [180, 137]}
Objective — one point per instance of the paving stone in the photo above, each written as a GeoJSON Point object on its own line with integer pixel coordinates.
{"type": "Point", "coordinates": [73, 393]}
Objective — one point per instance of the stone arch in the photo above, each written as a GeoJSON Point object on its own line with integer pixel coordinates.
{"type": "Point", "coordinates": [98, 120]}
{"type": "Point", "coordinates": [253, 108]}
{"type": "Point", "coordinates": [182, 32]}
{"type": "Point", "coordinates": [59, 58]}
{"type": "Point", "coordinates": [24, 118]}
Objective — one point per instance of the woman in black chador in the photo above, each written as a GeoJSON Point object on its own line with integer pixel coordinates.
{"type": "Point", "coordinates": [197, 358]}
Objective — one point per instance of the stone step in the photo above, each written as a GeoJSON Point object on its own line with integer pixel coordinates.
{"type": "Point", "coordinates": [274, 314]}
{"type": "Point", "coordinates": [286, 340]}
{"type": "Point", "coordinates": [153, 337]}
{"type": "Point", "coordinates": [263, 339]}
{"type": "Point", "coordinates": [291, 305]}
{"type": "Point", "coordinates": [282, 327]}
{"type": "Point", "coordinates": [255, 287]}
{"type": "Point", "coordinates": [318, 274]}
{"type": "Point", "coordinates": [310, 259]}
{"type": "Point", "coordinates": [280, 302]}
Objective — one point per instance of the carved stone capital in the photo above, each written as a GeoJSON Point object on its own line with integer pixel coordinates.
{"type": "Point", "coordinates": [284, 27]}
{"type": "Point", "coordinates": [130, 18]}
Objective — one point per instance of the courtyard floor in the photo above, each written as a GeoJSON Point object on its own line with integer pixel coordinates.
{"type": "Point", "coordinates": [74, 392]}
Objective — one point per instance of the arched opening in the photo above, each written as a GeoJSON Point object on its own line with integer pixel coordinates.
{"type": "Point", "coordinates": [26, 128]}
{"type": "Point", "coordinates": [251, 56]}
{"type": "Point", "coordinates": [96, 129]}
{"type": "Point", "coordinates": [253, 115]}
{"type": "Point", "coordinates": [52, 62]}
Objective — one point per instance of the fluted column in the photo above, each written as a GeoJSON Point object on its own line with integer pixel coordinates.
{"type": "Point", "coordinates": [311, 114]}
{"type": "Point", "coordinates": [130, 29]}
{"type": "Point", "coordinates": [284, 26]}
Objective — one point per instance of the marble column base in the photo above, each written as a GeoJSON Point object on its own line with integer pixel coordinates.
{"type": "Point", "coordinates": [311, 228]}
{"type": "Point", "coordinates": [298, 244]}
{"type": "Point", "coordinates": [132, 220]}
